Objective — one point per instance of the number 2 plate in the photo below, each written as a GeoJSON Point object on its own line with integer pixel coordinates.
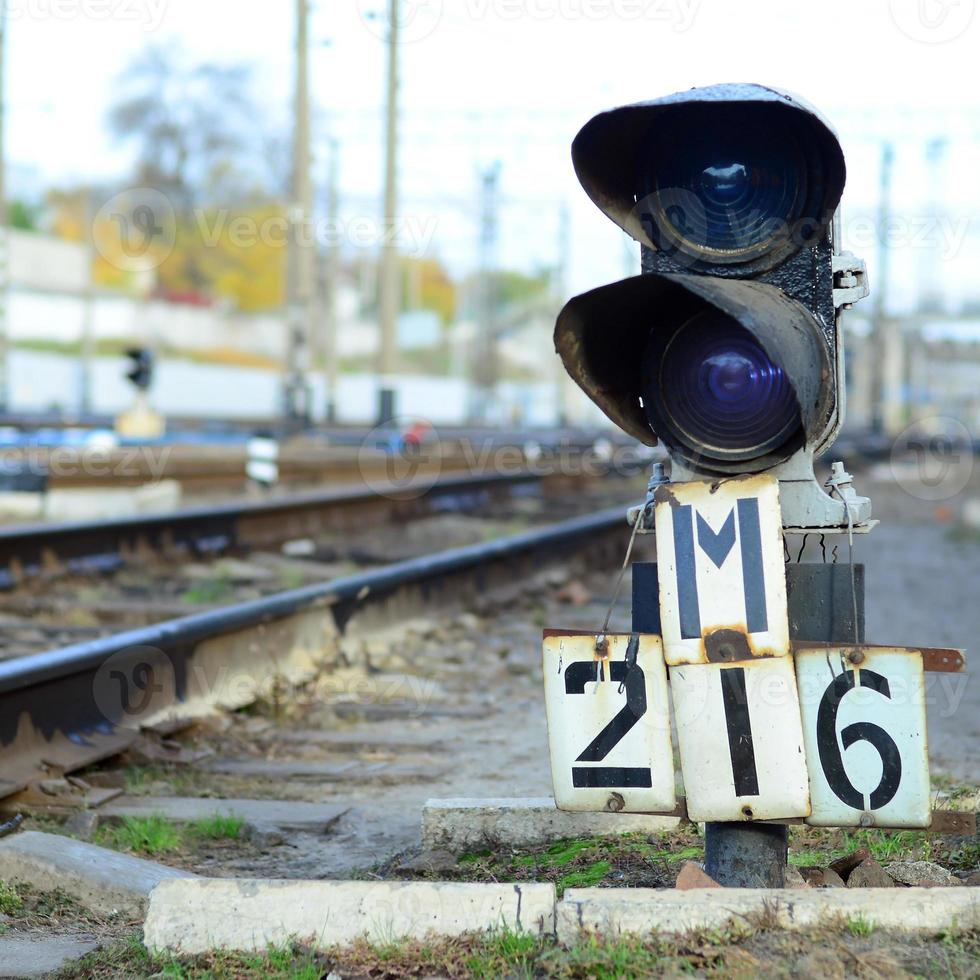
{"type": "Point", "coordinates": [608, 734]}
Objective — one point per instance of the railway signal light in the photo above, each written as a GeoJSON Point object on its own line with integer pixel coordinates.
{"type": "Point", "coordinates": [727, 348]}
{"type": "Point", "coordinates": [140, 372]}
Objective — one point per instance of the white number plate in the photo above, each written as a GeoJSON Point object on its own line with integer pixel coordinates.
{"type": "Point", "coordinates": [609, 735]}
{"type": "Point", "coordinates": [741, 740]}
{"type": "Point", "coordinates": [720, 564]}
{"type": "Point", "coordinates": [864, 726]}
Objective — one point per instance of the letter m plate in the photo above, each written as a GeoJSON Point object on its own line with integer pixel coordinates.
{"type": "Point", "coordinates": [721, 572]}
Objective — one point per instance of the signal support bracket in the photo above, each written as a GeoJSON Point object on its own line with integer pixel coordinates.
{"type": "Point", "coordinates": [807, 507]}
{"type": "Point", "coordinates": [850, 279]}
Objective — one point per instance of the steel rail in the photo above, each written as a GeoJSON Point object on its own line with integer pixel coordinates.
{"type": "Point", "coordinates": [28, 549]}
{"type": "Point", "coordinates": [66, 708]}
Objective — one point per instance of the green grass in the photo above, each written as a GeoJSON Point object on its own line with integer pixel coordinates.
{"type": "Point", "coordinates": [209, 591]}
{"type": "Point", "coordinates": [222, 826]}
{"type": "Point", "coordinates": [157, 834]}
{"type": "Point", "coordinates": [812, 847]}
{"type": "Point", "coordinates": [750, 950]}
{"type": "Point", "coordinates": [629, 860]}
{"type": "Point", "coordinates": [10, 902]}
{"type": "Point", "coordinates": [860, 926]}
{"type": "Point", "coordinates": [146, 835]}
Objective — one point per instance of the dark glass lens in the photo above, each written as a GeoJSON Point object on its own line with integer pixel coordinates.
{"type": "Point", "coordinates": [727, 186]}
{"type": "Point", "coordinates": [719, 392]}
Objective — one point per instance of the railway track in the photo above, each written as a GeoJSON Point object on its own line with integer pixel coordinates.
{"type": "Point", "coordinates": [68, 709]}
{"type": "Point", "coordinates": [47, 549]}
{"type": "Point", "coordinates": [71, 582]}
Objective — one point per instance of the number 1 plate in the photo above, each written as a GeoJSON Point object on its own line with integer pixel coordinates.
{"type": "Point", "coordinates": [741, 740]}
{"type": "Point", "coordinates": [609, 731]}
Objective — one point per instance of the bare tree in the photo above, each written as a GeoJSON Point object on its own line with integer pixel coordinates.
{"type": "Point", "coordinates": [196, 127]}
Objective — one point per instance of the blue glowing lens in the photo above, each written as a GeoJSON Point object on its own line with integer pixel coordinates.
{"type": "Point", "coordinates": [719, 391]}
{"type": "Point", "coordinates": [728, 186]}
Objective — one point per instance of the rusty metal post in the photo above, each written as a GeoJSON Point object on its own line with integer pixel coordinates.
{"type": "Point", "coordinates": [821, 602]}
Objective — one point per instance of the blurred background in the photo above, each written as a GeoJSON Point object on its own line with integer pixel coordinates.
{"type": "Point", "coordinates": [337, 213]}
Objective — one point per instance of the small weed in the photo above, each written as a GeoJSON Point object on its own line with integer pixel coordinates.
{"type": "Point", "coordinates": [290, 578]}
{"type": "Point", "coordinates": [10, 902]}
{"type": "Point", "coordinates": [860, 926]}
{"type": "Point", "coordinates": [209, 591]}
{"type": "Point", "coordinates": [586, 878]}
{"type": "Point", "coordinates": [222, 826]}
{"type": "Point", "coordinates": [146, 835]}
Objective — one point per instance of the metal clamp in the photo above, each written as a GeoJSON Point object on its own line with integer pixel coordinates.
{"type": "Point", "coordinates": [850, 280]}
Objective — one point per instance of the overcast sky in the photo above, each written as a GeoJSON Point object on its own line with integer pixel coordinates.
{"type": "Point", "coordinates": [513, 80]}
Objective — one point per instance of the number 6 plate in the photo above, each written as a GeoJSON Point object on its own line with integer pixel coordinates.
{"type": "Point", "coordinates": [864, 726]}
{"type": "Point", "coordinates": [609, 728]}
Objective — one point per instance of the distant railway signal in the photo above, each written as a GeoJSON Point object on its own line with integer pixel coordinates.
{"type": "Point", "coordinates": [140, 369]}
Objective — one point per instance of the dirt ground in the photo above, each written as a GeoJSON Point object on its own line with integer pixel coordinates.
{"type": "Point", "coordinates": [455, 705]}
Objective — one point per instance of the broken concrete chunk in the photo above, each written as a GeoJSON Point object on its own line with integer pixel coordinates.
{"type": "Point", "coordinates": [921, 873]}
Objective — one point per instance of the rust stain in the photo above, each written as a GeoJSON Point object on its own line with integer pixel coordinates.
{"type": "Point", "coordinates": [727, 646]}
{"type": "Point", "coordinates": [664, 495]}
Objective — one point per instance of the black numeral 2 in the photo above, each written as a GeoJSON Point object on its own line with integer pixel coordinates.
{"type": "Point", "coordinates": [577, 675]}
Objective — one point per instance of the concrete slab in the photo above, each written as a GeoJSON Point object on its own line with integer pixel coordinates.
{"type": "Point", "coordinates": [460, 825]}
{"type": "Point", "coordinates": [310, 818]}
{"type": "Point", "coordinates": [327, 772]}
{"type": "Point", "coordinates": [189, 917]}
{"type": "Point", "coordinates": [643, 911]}
{"type": "Point", "coordinates": [36, 956]}
{"type": "Point", "coordinates": [97, 877]}
{"type": "Point", "coordinates": [359, 741]}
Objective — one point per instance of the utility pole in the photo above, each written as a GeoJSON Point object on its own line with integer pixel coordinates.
{"type": "Point", "coordinates": [485, 366]}
{"type": "Point", "coordinates": [301, 248]}
{"type": "Point", "coordinates": [4, 215]}
{"type": "Point", "coordinates": [87, 352]}
{"type": "Point", "coordinates": [331, 280]}
{"type": "Point", "coordinates": [560, 288]}
{"type": "Point", "coordinates": [879, 328]}
{"type": "Point", "coordinates": [930, 288]}
{"type": "Point", "coordinates": [389, 298]}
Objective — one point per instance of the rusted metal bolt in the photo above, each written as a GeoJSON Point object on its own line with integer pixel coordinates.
{"type": "Point", "coordinates": [615, 803]}
{"type": "Point", "coordinates": [856, 656]}
{"type": "Point", "coordinates": [747, 812]}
